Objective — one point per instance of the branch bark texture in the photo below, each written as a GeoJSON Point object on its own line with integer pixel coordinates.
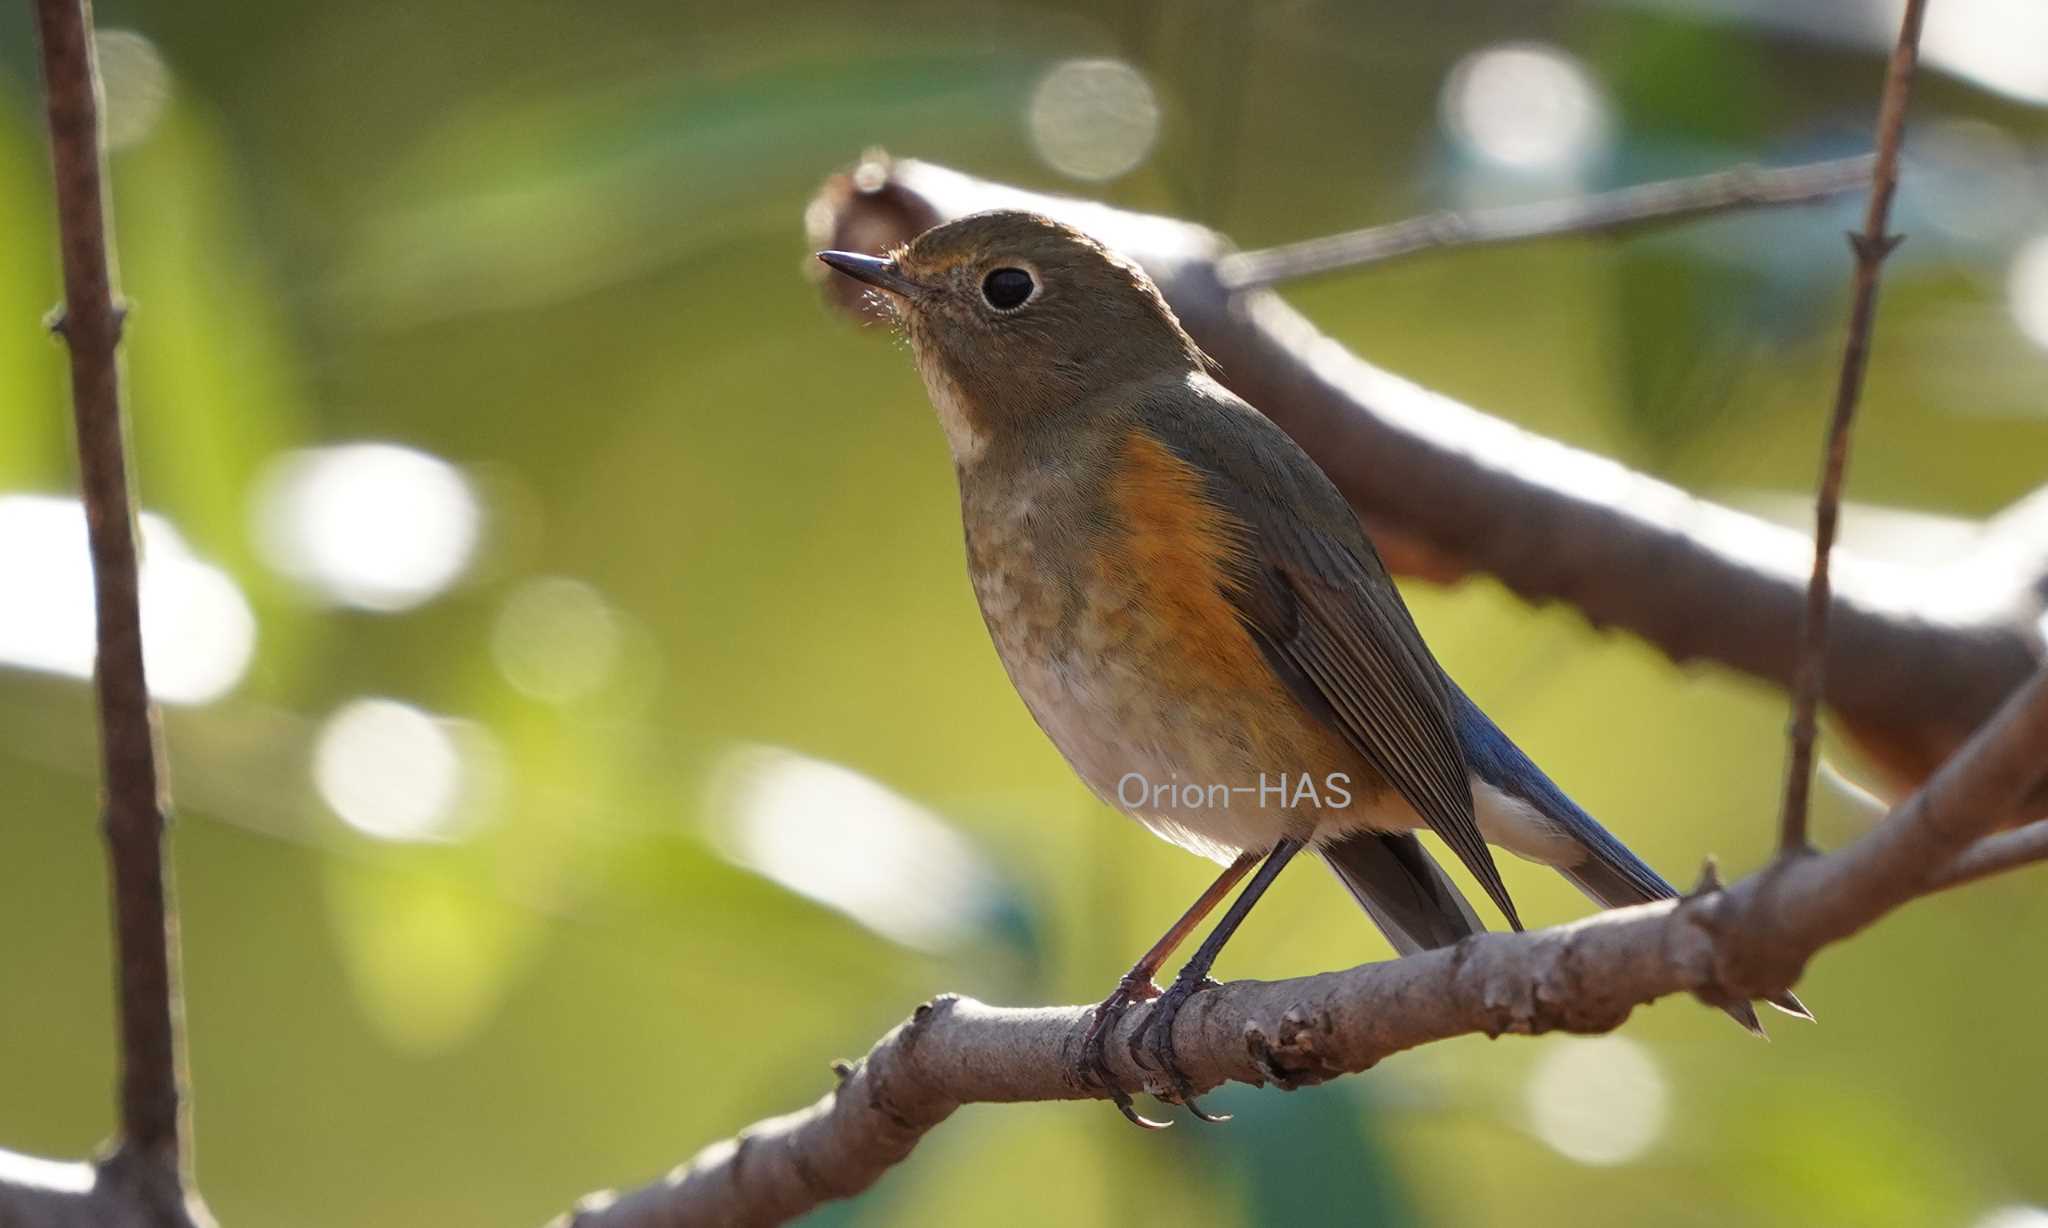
{"type": "Point", "coordinates": [1916, 658]}
{"type": "Point", "coordinates": [1750, 940]}
{"type": "Point", "coordinates": [142, 1180]}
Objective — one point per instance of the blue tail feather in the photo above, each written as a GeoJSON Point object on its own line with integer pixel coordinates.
{"type": "Point", "coordinates": [1611, 874]}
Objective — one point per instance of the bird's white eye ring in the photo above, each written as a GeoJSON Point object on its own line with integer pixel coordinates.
{"type": "Point", "coordinates": [1008, 288]}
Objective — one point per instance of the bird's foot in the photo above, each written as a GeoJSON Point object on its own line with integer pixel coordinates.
{"type": "Point", "coordinates": [1094, 1067]}
{"type": "Point", "coordinates": [1157, 1038]}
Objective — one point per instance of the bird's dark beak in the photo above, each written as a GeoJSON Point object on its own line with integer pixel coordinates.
{"type": "Point", "coordinates": [875, 271]}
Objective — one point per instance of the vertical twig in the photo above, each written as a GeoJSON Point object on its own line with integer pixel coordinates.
{"type": "Point", "coordinates": [1871, 246]}
{"type": "Point", "coordinates": [152, 1136]}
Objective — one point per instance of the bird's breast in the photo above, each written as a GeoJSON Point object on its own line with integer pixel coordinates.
{"type": "Point", "coordinates": [1109, 608]}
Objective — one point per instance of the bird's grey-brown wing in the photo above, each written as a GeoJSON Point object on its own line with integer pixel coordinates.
{"type": "Point", "coordinates": [1320, 604]}
{"type": "Point", "coordinates": [1335, 627]}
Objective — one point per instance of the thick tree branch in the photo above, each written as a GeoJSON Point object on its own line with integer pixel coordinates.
{"type": "Point", "coordinates": [1871, 247]}
{"type": "Point", "coordinates": [145, 1173]}
{"type": "Point", "coordinates": [119, 1192]}
{"type": "Point", "coordinates": [1747, 941]}
{"type": "Point", "coordinates": [1917, 658]}
{"type": "Point", "coordinates": [37, 1193]}
{"type": "Point", "coordinates": [1607, 214]}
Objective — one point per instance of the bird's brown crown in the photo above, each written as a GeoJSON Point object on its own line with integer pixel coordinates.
{"type": "Point", "coordinates": [1018, 317]}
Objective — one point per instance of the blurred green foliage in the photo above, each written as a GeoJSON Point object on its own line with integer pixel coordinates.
{"type": "Point", "coordinates": [561, 247]}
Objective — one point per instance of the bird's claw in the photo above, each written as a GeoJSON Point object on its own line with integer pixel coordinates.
{"type": "Point", "coordinates": [1095, 1066]}
{"type": "Point", "coordinates": [1157, 1038]}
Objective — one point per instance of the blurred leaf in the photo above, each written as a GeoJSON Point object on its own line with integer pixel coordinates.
{"type": "Point", "coordinates": [35, 432]}
{"type": "Point", "coordinates": [212, 379]}
{"type": "Point", "coordinates": [1686, 330]}
{"type": "Point", "coordinates": [1676, 77]}
{"type": "Point", "coordinates": [632, 177]}
{"type": "Point", "coordinates": [1306, 1157]}
{"type": "Point", "coordinates": [430, 959]}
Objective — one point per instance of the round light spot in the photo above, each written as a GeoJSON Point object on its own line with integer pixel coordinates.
{"type": "Point", "coordinates": [198, 633]}
{"type": "Point", "coordinates": [372, 525]}
{"type": "Point", "coordinates": [2026, 289]}
{"type": "Point", "coordinates": [136, 82]}
{"type": "Point", "coordinates": [1093, 119]}
{"type": "Point", "coordinates": [1996, 43]}
{"type": "Point", "coordinates": [834, 835]}
{"type": "Point", "coordinates": [389, 770]}
{"type": "Point", "coordinates": [1527, 107]}
{"type": "Point", "coordinates": [1598, 1101]}
{"type": "Point", "coordinates": [2014, 1216]}
{"type": "Point", "coordinates": [556, 639]}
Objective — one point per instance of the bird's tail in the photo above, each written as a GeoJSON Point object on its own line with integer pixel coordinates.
{"type": "Point", "coordinates": [1608, 872]}
{"type": "Point", "coordinates": [1403, 889]}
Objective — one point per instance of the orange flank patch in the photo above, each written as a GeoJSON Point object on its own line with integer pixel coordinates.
{"type": "Point", "coordinates": [1171, 564]}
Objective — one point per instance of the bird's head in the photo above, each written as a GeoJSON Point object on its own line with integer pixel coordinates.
{"type": "Point", "coordinates": [1018, 320]}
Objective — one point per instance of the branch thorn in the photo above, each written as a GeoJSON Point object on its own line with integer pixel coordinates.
{"type": "Point", "coordinates": [1873, 250]}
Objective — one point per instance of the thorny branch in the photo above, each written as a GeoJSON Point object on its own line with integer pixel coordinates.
{"type": "Point", "coordinates": [142, 1180]}
{"type": "Point", "coordinates": [1748, 941]}
{"type": "Point", "coordinates": [1745, 941]}
{"type": "Point", "coordinates": [1374, 433]}
{"type": "Point", "coordinates": [1871, 247]}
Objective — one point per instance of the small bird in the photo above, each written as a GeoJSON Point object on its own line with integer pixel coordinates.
{"type": "Point", "coordinates": [1195, 617]}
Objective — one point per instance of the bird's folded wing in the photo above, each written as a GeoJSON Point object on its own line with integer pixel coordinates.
{"type": "Point", "coordinates": [1331, 622]}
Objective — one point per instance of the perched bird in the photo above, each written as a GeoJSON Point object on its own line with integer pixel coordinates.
{"type": "Point", "coordinates": [1195, 617]}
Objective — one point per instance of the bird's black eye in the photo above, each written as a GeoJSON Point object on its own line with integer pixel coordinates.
{"type": "Point", "coordinates": [1006, 289]}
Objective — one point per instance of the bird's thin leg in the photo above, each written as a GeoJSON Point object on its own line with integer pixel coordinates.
{"type": "Point", "coordinates": [1137, 986]}
{"type": "Point", "coordinates": [1194, 977]}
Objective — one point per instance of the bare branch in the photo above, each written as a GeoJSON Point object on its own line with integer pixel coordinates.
{"type": "Point", "coordinates": [1606, 214]}
{"type": "Point", "coordinates": [36, 1193]}
{"type": "Point", "coordinates": [1747, 941]}
{"type": "Point", "coordinates": [119, 1192]}
{"type": "Point", "coordinates": [2008, 850]}
{"type": "Point", "coordinates": [1871, 247]}
{"type": "Point", "coordinates": [1447, 490]}
{"type": "Point", "coordinates": [150, 1158]}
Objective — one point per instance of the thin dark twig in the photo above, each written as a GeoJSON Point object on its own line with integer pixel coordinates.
{"type": "Point", "coordinates": [151, 1128]}
{"type": "Point", "coordinates": [1871, 247]}
{"type": "Point", "coordinates": [1607, 214]}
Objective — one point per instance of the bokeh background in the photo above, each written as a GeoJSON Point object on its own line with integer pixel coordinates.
{"type": "Point", "coordinates": [580, 722]}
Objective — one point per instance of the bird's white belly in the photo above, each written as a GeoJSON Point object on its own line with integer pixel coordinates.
{"type": "Point", "coordinates": [1126, 752]}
